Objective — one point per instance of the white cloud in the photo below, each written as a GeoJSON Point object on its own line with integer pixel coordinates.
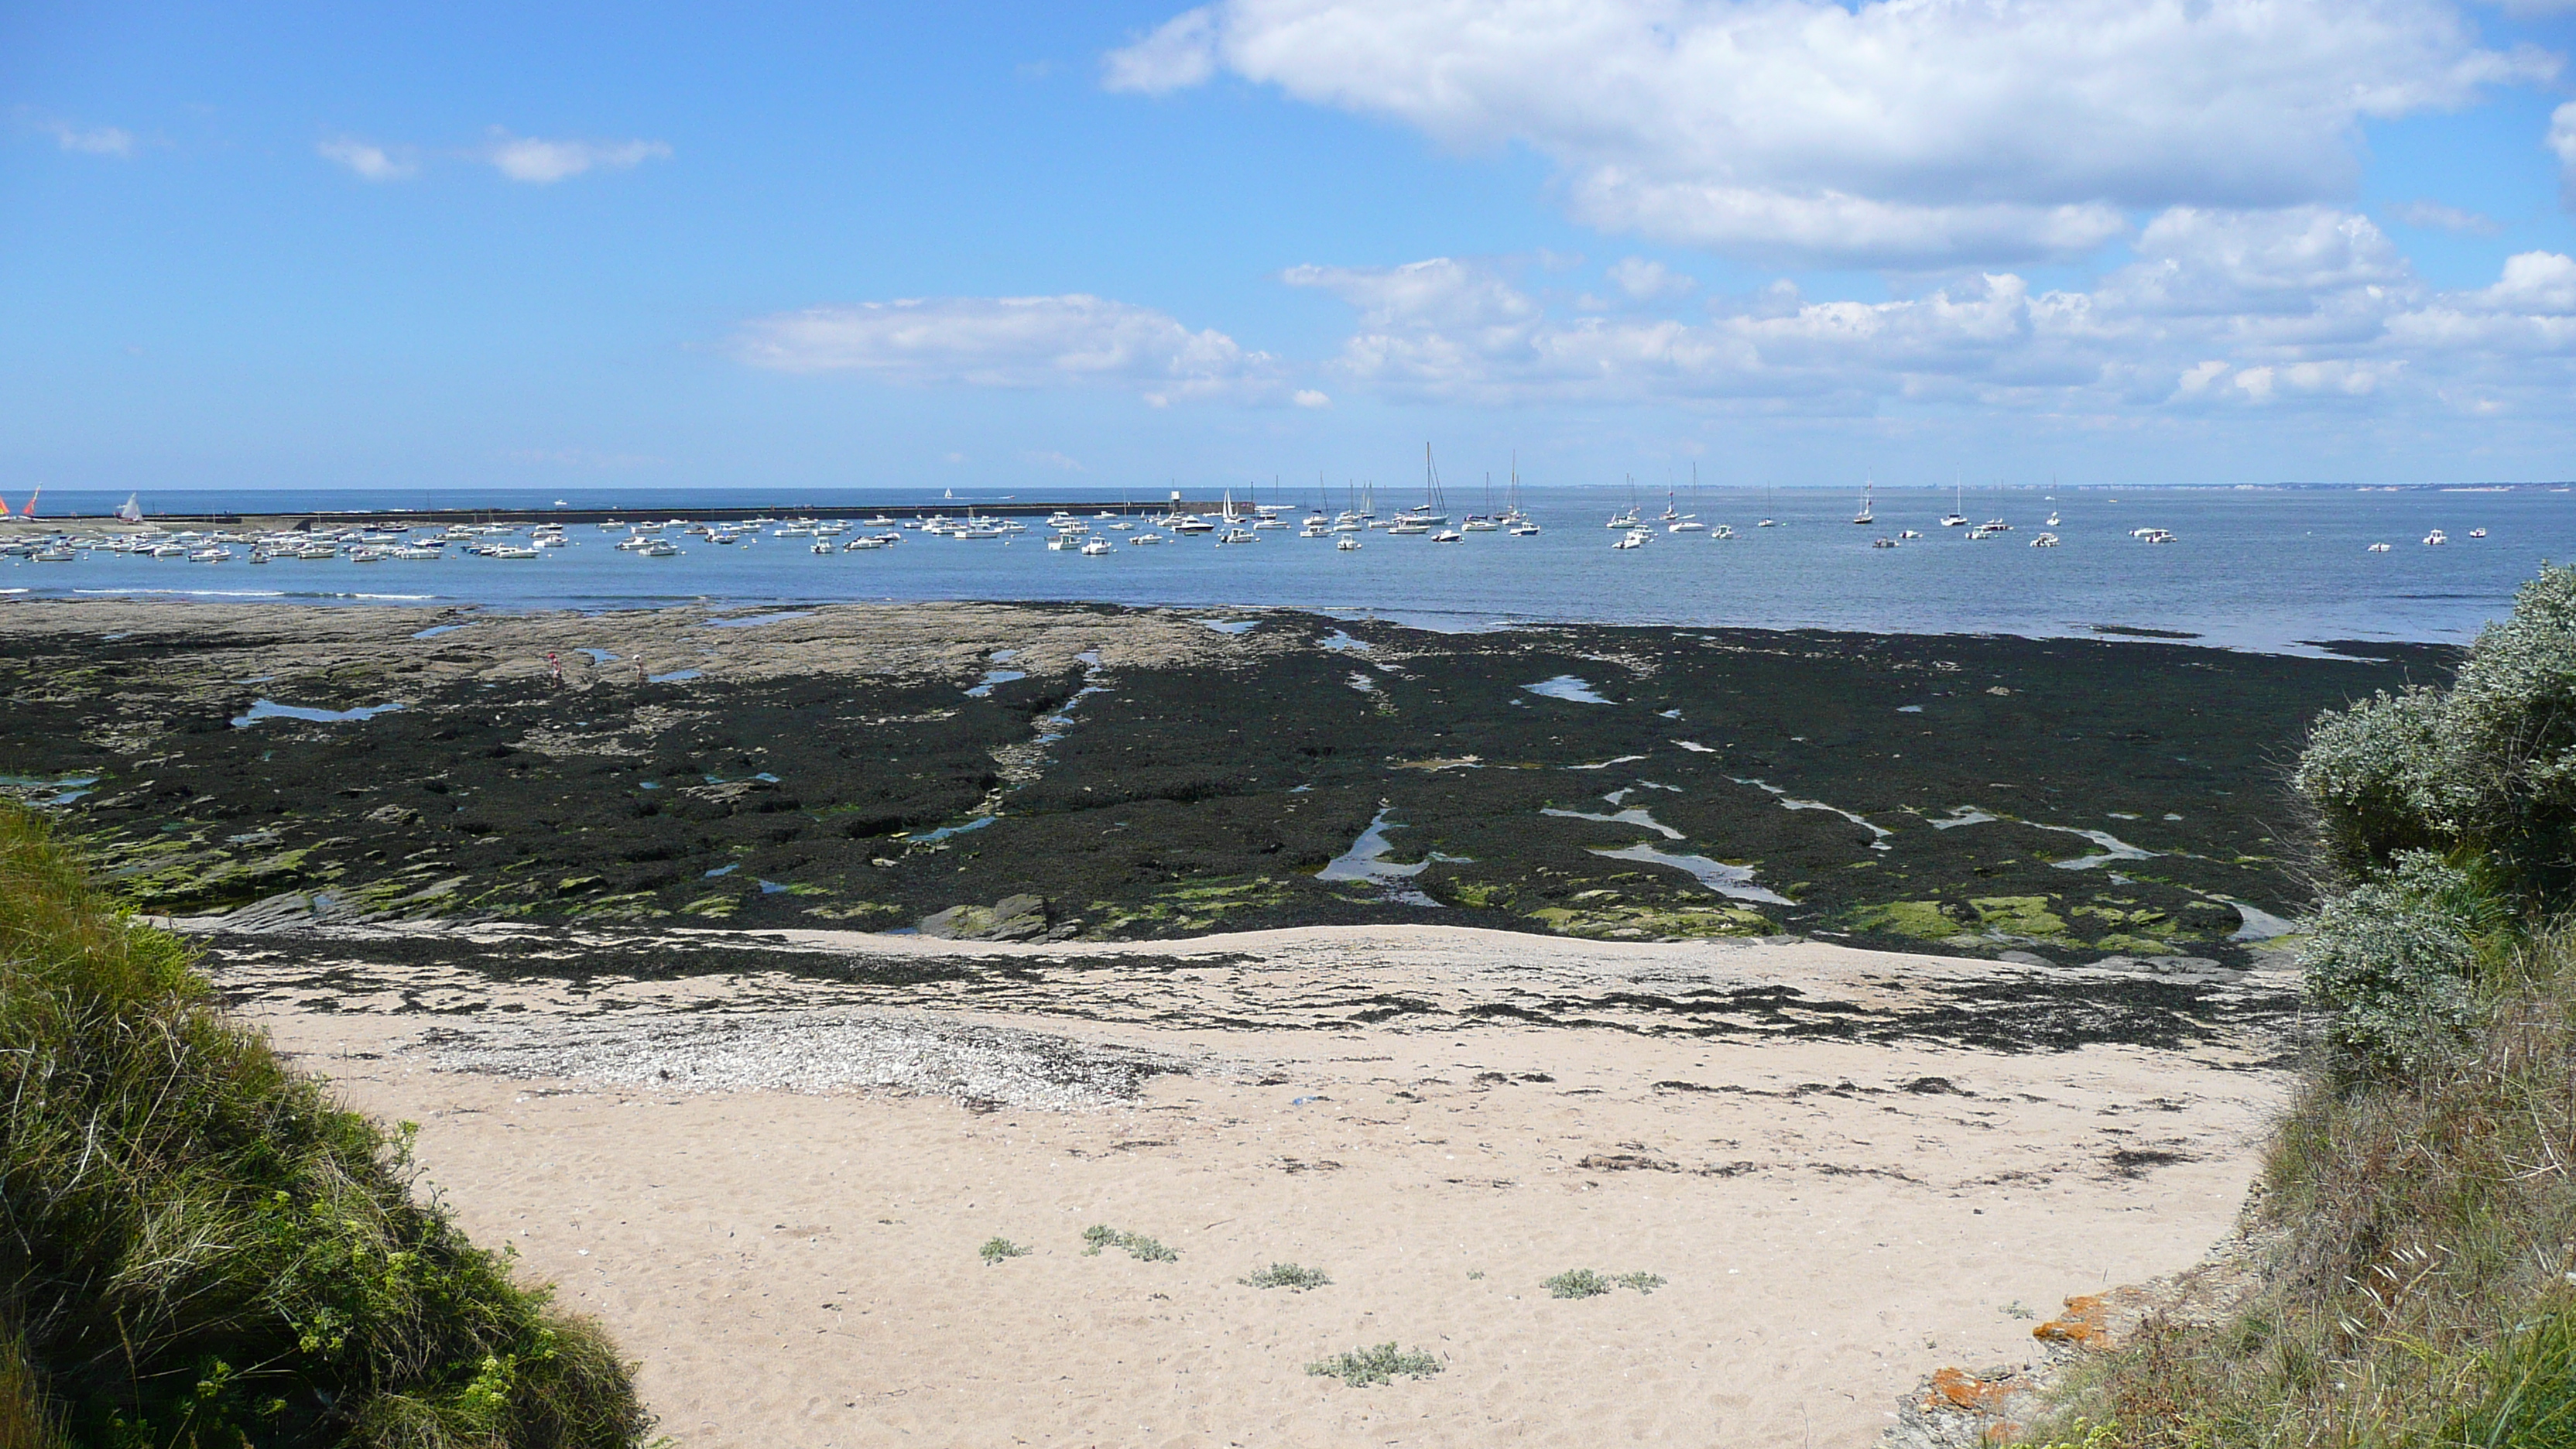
{"type": "Point", "coordinates": [369, 162]}
{"type": "Point", "coordinates": [2445, 218]}
{"type": "Point", "coordinates": [1916, 133]}
{"type": "Point", "coordinates": [1011, 342]}
{"type": "Point", "coordinates": [1178, 54]}
{"type": "Point", "coordinates": [92, 141]}
{"type": "Point", "coordinates": [2301, 307]}
{"type": "Point", "coordinates": [1052, 459]}
{"type": "Point", "coordinates": [1646, 281]}
{"type": "Point", "coordinates": [1307, 397]}
{"type": "Point", "coordinates": [542, 162]}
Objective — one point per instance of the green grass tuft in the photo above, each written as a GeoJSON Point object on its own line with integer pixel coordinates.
{"type": "Point", "coordinates": [197, 1246]}
{"type": "Point", "coordinates": [1143, 1249]}
{"type": "Point", "coordinates": [1286, 1275]}
{"type": "Point", "coordinates": [1362, 1367]}
{"type": "Point", "coordinates": [998, 1250]}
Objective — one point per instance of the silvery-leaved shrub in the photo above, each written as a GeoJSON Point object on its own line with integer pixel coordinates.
{"type": "Point", "coordinates": [2393, 959]}
{"type": "Point", "coordinates": [2385, 777]}
{"type": "Point", "coordinates": [2511, 729]}
{"type": "Point", "coordinates": [2486, 768]}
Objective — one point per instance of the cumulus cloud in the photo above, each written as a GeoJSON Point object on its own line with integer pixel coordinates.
{"type": "Point", "coordinates": [1645, 281]}
{"type": "Point", "coordinates": [541, 162]}
{"type": "Point", "coordinates": [2301, 307]}
{"type": "Point", "coordinates": [369, 162]}
{"type": "Point", "coordinates": [1902, 133]}
{"type": "Point", "coordinates": [1011, 342]}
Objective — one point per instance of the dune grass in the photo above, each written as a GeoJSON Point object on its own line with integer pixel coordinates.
{"type": "Point", "coordinates": [199, 1247]}
{"type": "Point", "coordinates": [2420, 1292]}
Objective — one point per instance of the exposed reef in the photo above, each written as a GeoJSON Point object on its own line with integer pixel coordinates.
{"type": "Point", "coordinates": [1134, 773]}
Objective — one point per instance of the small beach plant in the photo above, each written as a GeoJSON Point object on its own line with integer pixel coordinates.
{"type": "Point", "coordinates": [1362, 1367]}
{"type": "Point", "coordinates": [1286, 1275]}
{"type": "Point", "coordinates": [1577, 1283]}
{"type": "Point", "coordinates": [1642, 1282]}
{"type": "Point", "coordinates": [998, 1250]}
{"type": "Point", "coordinates": [1143, 1249]}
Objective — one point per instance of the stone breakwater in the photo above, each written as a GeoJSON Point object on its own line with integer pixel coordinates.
{"type": "Point", "coordinates": [1092, 773]}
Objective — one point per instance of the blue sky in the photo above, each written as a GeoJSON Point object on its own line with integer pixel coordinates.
{"type": "Point", "coordinates": [1797, 243]}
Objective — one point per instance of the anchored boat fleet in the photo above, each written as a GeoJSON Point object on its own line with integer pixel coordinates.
{"type": "Point", "coordinates": [1100, 535]}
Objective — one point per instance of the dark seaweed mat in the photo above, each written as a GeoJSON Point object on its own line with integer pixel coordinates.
{"type": "Point", "coordinates": [1190, 799]}
{"type": "Point", "coordinates": [2023, 1011]}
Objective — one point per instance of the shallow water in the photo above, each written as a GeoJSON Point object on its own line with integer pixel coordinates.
{"type": "Point", "coordinates": [270, 709]}
{"type": "Point", "coordinates": [2261, 568]}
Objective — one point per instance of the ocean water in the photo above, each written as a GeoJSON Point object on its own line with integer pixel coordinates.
{"type": "Point", "coordinates": [2250, 568]}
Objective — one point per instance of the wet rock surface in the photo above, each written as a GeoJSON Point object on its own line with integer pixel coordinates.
{"type": "Point", "coordinates": [1142, 776]}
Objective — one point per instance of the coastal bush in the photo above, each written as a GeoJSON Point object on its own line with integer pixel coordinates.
{"type": "Point", "coordinates": [198, 1247]}
{"type": "Point", "coordinates": [2392, 960]}
{"type": "Point", "coordinates": [2485, 769]}
{"type": "Point", "coordinates": [1000, 1250]}
{"type": "Point", "coordinates": [1362, 1367]}
{"type": "Point", "coordinates": [1286, 1275]}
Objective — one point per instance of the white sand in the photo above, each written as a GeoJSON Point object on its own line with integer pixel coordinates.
{"type": "Point", "coordinates": [800, 1268]}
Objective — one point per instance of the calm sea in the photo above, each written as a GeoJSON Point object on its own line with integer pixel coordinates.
{"type": "Point", "coordinates": [2249, 568]}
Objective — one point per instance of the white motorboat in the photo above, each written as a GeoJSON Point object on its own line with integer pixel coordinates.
{"type": "Point", "coordinates": [1346, 543]}
{"type": "Point", "coordinates": [660, 548]}
{"type": "Point", "coordinates": [1633, 538]}
{"type": "Point", "coordinates": [1098, 548]}
{"type": "Point", "coordinates": [2045, 540]}
{"type": "Point", "coordinates": [1148, 537]}
{"type": "Point", "coordinates": [2477, 533]}
{"type": "Point", "coordinates": [2436, 539]}
{"type": "Point", "coordinates": [1447, 535]}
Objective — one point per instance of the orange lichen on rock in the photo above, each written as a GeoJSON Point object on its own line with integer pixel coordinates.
{"type": "Point", "coordinates": [1964, 1392]}
{"type": "Point", "coordinates": [2086, 1323]}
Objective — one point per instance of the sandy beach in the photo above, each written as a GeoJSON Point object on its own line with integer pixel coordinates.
{"type": "Point", "coordinates": [773, 1184]}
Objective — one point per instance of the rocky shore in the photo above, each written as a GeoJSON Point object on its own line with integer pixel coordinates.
{"type": "Point", "coordinates": [1064, 772]}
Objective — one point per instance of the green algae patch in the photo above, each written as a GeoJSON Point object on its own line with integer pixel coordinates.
{"type": "Point", "coordinates": [2018, 915]}
{"type": "Point", "coordinates": [1198, 906]}
{"type": "Point", "coordinates": [1921, 920]}
{"type": "Point", "coordinates": [712, 907]}
{"type": "Point", "coordinates": [855, 911]}
{"type": "Point", "coordinates": [1619, 921]}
